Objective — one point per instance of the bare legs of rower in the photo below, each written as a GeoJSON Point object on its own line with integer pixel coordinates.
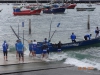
{"type": "Point", "coordinates": [21, 57]}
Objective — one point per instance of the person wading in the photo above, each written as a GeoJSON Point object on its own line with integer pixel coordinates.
{"type": "Point", "coordinates": [5, 51]}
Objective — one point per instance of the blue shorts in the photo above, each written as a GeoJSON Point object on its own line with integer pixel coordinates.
{"type": "Point", "coordinates": [5, 53]}
{"type": "Point", "coordinates": [59, 50]}
{"type": "Point", "coordinates": [20, 53]}
{"type": "Point", "coordinates": [34, 49]}
{"type": "Point", "coordinates": [44, 51]}
{"type": "Point", "coordinates": [30, 50]}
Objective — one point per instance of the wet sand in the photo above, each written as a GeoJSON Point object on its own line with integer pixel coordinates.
{"type": "Point", "coordinates": [12, 60]}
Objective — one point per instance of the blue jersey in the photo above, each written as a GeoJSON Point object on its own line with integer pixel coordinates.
{"type": "Point", "coordinates": [88, 36]}
{"type": "Point", "coordinates": [30, 46]}
{"type": "Point", "coordinates": [73, 37]}
{"type": "Point", "coordinates": [97, 31]}
{"type": "Point", "coordinates": [45, 41]}
{"type": "Point", "coordinates": [20, 46]}
{"type": "Point", "coordinates": [35, 46]}
{"type": "Point", "coordinates": [5, 46]}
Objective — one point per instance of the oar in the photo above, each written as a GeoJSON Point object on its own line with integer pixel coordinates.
{"type": "Point", "coordinates": [50, 27]}
{"type": "Point", "coordinates": [52, 35]}
{"type": "Point", "coordinates": [16, 34]}
{"type": "Point", "coordinates": [54, 32]}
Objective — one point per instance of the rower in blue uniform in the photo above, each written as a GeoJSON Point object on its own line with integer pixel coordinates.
{"type": "Point", "coordinates": [44, 50]}
{"type": "Point", "coordinates": [59, 46]}
{"type": "Point", "coordinates": [5, 52]}
{"type": "Point", "coordinates": [31, 48]}
{"type": "Point", "coordinates": [34, 48]}
{"type": "Point", "coordinates": [87, 37]}
{"type": "Point", "coordinates": [16, 48]}
{"type": "Point", "coordinates": [20, 48]}
{"type": "Point", "coordinates": [46, 42]}
{"type": "Point", "coordinates": [73, 37]}
{"type": "Point", "coordinates": [97, 32]}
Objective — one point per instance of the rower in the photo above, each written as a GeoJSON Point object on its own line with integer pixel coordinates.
{"type": "Point", "coordinates": [59, 46]}
{"type": "Point", "coordinates": [45, 40]}
{"type": "Point", "coordinates": [47, 43]}
{"type": "Point", "coordinates": [73, 38]}
{"type": "Point", "coordinates": [97, 32]}
{"type": "Point", "coordinates": [44, 48]}
{"type": "Point", "coordinates": [34, 48]}
{"type": "Point", "coordinates": [30, 47]}
{"type": "Point", "coordinates": [87, 37]}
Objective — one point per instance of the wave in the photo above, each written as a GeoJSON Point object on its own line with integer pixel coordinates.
{"type": "Point", "coordinates": [82, 63]}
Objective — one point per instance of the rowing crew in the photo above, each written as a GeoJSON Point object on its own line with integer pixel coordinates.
{"type": "Point", "coordinates": [86, 37]}
{"type": "Point", "coordinates": [44, 46]}
{"type": "Point", "coordinates": [32, 48]}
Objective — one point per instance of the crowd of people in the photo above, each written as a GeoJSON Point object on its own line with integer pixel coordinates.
{"type": "Point", "coordinates": [45, 49]}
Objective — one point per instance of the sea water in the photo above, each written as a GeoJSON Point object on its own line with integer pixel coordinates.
{"type": "Point", "coordinates": [71, 21]}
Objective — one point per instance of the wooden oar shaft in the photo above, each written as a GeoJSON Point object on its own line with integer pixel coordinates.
{"type": "Point", "coordinates": [52, 35]}
{"type": "Point", "coordinates": [16, 34]}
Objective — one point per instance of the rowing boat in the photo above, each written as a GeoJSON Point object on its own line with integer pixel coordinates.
{"type": "Point", "coordinates": [85, 9]}
{"type": "Point", "coordinates": [67, 46]}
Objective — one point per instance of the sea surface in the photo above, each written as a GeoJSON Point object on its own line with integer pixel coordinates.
{"type": "Point", "coordinates": [71, 21]}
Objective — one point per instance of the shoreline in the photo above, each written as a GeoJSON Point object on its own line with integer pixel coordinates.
{"type": "Point", "coordinates": [12, 66]}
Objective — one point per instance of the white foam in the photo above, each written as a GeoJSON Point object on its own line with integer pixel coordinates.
{"type": "Point", "coordinates": [73, 61]}
{"type": "Point", "coordinates": [27, 52]}
{"type": "Point", "coordinates": [82, 63]}
{"type": "Point", "coordinates": [57, 56]}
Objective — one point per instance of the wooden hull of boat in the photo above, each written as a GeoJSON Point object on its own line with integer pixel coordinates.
{"type": "Point", "coordinates": [67, 46]}
{"type": "Point", "coordinates": [28, 12]}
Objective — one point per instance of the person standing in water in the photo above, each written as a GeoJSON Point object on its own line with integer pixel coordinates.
{"type": "Point", "coordinates": [16, 48]}
{"type": "Point", "coordinates": [20, 48]}
{"type": "Point", "coordinates": [5, 52]}
{"type": "Point", "coordinates": [59, 46]}
{"type": "Point", "coordinates": [34, 48]}
{"type": "Point", "coordinates": [44, 50]}
{"type": "Point", "coordinates": [31, 48]}
{"type": "Point", "coordinates": [46, 43]}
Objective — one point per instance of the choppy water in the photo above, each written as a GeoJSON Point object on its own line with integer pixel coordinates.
{"type": "Point", "coordinates": [71, 21]}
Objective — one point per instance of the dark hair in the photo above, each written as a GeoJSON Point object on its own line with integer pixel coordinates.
{"type": "Point", "coordinates": [90, 34]}
{"type": "Point", "coordinates": [45, 38]}
{"type": "Point", "coordinates": [31, 40]}
{"type": "Point", "coordinates": [17, 40]}
{"type": "Point", "coordinates": [34, 40]}
{"type": "Point", "coordinates": [97, 27]}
